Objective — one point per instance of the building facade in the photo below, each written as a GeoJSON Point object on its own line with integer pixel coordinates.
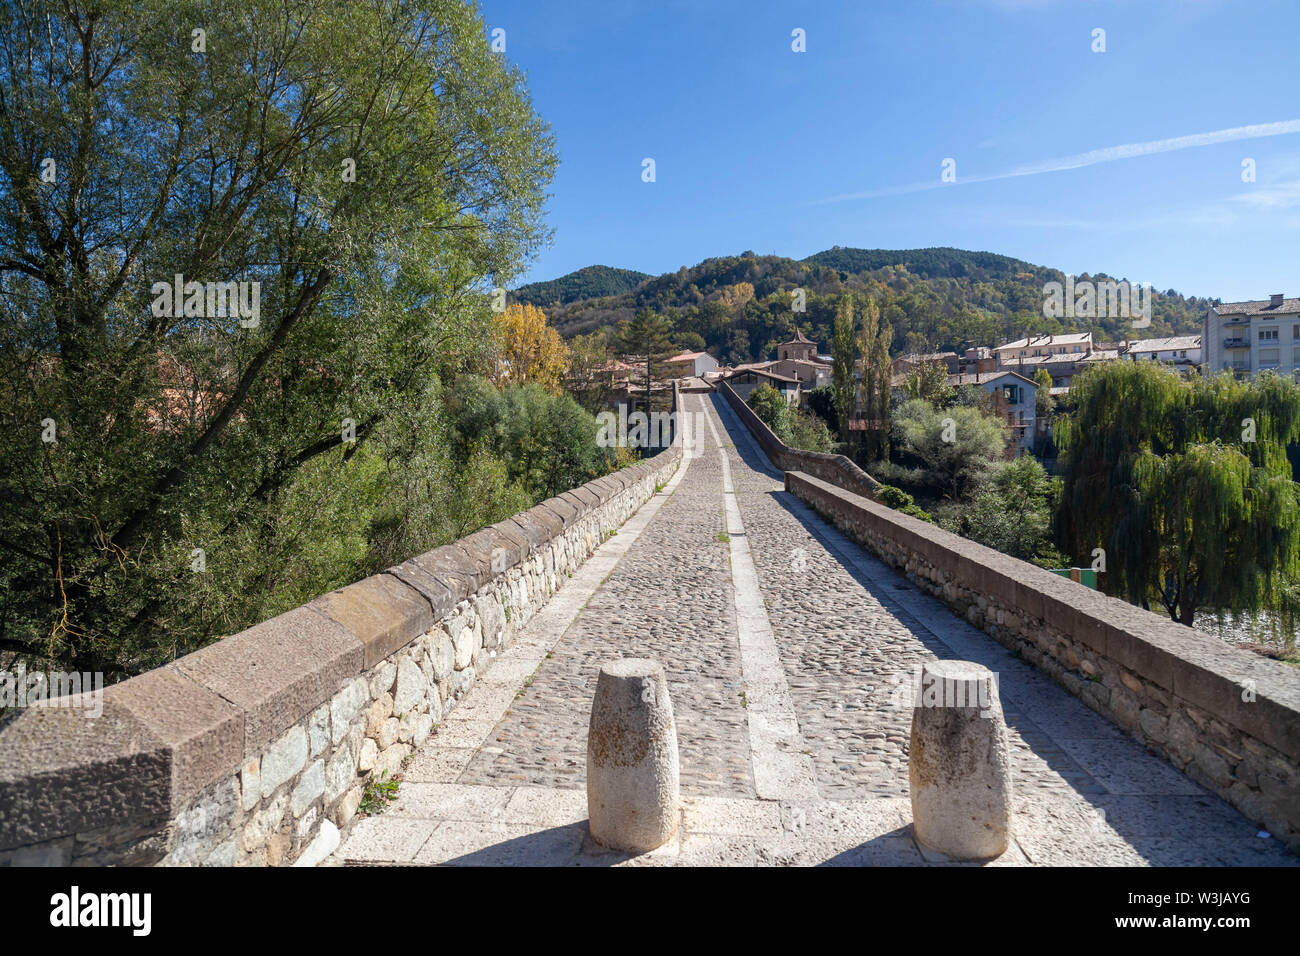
{"type": "Point", "coordinates": [1246, 338]}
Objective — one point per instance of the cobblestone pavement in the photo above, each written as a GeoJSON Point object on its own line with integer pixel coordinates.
{"type": "Point", "coordinates": [790, 654]}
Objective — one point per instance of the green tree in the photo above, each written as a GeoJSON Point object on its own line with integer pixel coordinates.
{"type": "Point", "coordinates": [1043, 402]}
{"type": "Point", "coordinates": [873, 346]}
{"type": "Point", "coordinates": [1185, 485]}
{"type": "Point", "coordinates": [372, 170]}
{"type": "Point", "coordinates": [844, 366]}
{"type": "Point", "coordinates": [958, 445]}
{"type": "Point", "coordinates": [929, 381]}
{"type": "Point", "coordinates": [770, 406]}
{"type": "Point", "coordinates": [1011, 511]}
{"type": "Point", "coordinates": [646, 341]}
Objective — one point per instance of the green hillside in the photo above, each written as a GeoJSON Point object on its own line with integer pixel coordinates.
{"type": "Point", "coordinates": [588, 283]}
{"type": "Point", "coordinates": [935, 299]}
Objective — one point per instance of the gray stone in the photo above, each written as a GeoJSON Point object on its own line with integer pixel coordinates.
{"type": "Point", "coordinates": [493, 621]}
{"type": "Point", "coordinates": [346, 704]}
{"type": "Point", "coordinates": [464, 640]}
{"type": "Point", "coordinates": [410, 688]}
{"type": "Point", "coordinates": [633, 786]}
{"type": "Point", "coordinates": [339, 774]}
{"type": "Point", "coordinates": [390, 761]}
{"type": "Point", "coordinates": [224, 855]}
{"type": "Point", "coordinates": [369, 751]}
{"type": "Point", "coordinates": [318, 730]}
{"type": "Point", "coordinates": [423, 727]}
{"type": "Point", "coordinates": [199, 825]}
{"type": "Point", "coordinates": [382, 682]}
{"type": "Point", "coordinates": [311, 786]}
{"type": "Point", "coordinates": [442, 654]}
{"type": "Point", "coordinates": [326, 842]}
{"type": "Point", "coordinates": [284, 759]}
{"type": "Point", "coordinates": [959, 764]}
{"type": "Point", "coordinates": [460, 683]}
{"type": "Point", "coordinates": [264, 822]}
{"type": "Point", "coordinates": [250, 779]}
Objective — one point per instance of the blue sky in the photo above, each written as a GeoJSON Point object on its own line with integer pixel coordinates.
{"type": "Point", "coordinates": [758, 147]}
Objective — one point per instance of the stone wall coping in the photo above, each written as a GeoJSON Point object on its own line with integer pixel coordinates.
{"type": "Point", "coordinates": [167, 734]}
{"type": "Point", "coordinates": [848, 475]}
{"type": "Point", "coordinates": [1197, 667]}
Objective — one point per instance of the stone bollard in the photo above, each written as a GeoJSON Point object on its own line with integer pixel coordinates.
{"type": "Point", "coordinates": [960, 764]}
{"type": "Point", "coordinates": [633, 794]}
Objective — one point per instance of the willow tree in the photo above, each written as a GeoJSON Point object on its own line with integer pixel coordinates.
{"type": "Point", "coordinates": [362, 174]}
{"type": "Point", "coordinates": [1185, 486]}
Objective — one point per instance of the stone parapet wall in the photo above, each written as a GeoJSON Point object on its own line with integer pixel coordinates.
{"type": "Point", "coordinates": [258, 748]}
{"type": "Point", "coordinates": [837, 469]}
{"type": "Point", "coordinates": [1228, 718]}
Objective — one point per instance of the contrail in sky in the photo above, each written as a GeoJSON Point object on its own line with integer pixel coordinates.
{"type": "Point", "coordinates": [1107, 154]}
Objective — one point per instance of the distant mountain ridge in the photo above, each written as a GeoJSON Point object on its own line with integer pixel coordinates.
{"type": "Point", "coordinates": [934, 299]}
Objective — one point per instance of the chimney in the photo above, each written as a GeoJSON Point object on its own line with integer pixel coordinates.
{"type": "Point", "coordinates": [1275, 300]}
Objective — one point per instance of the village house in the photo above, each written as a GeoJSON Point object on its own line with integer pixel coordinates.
{"type": "Point", "coordinates": [692, 364]}
{"type": "Point", "coordinates": [1182, 351]}
{"type": "Point", "coordinates": [1014, 398]}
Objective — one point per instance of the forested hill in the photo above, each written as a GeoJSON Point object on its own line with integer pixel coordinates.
{"type": "Point", "coordinates": [739, 307]}
{"type": "Point", "coordinates": [589, 283]}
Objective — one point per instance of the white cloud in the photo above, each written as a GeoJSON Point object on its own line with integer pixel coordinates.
{"type": "Point", "coordinates": [1108, 154]}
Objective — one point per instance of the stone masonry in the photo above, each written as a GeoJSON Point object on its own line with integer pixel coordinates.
{"type": "Point", "coordinates": [257, 750]}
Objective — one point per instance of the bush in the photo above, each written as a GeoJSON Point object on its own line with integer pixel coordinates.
{"type": "Point", "coordinates": [901, 501]}
{"type": "Point", "coordinates": [794, 426]}
{"type": "Point", "coordinates": [1011, 512]}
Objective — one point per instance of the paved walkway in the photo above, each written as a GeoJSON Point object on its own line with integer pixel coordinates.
{"type": "Point", "coordinates": [790, 654]}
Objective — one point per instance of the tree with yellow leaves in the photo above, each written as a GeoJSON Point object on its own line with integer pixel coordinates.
{"type": "Point", "coordinates": [529, 350]}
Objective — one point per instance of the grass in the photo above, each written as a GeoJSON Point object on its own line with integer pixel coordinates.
{"type": "Point", "coordinates": [724, 537]}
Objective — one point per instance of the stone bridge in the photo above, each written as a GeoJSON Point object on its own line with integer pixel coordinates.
{"type": "Point", "coordinates": [792, 615]}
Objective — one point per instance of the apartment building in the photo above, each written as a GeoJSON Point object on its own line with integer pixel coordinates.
{"type": "Point", "coordinates": [1246, 338]}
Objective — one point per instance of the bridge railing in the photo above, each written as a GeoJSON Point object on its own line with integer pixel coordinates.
{"type": "Point", "coordinates": [257, 749]}
{"type": "Point", "coordinates": [837, 469]}
{"type": "Point", "coordinates": [1227, 717]}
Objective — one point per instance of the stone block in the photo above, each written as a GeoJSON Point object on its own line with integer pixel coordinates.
{"type": "Point", "coordinates": [959, 763]}
{"type": "Point", "coordinates": [277, 672]}
{"type": "Point", "coordinates": [310, 786]}
{"type": "Point", "coordinates": [633, 786]}
{"type": "Point", "coordinates": [410, 689]}
{"type": "Point", "coordinates": [381, 611]}
{"type": "Point", "coordinates": [284, 759]}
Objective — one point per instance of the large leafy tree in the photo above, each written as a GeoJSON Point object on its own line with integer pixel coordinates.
{"type": "Point", "coordinates": [959, 446]}
{"type": "Point", "coordinates": [373, 166]}
{"type": "Point", "coordinates": [530, 350]}
{"type": "Point", "coordinates": [1185, 484]}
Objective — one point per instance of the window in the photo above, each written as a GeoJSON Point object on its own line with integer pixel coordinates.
{"type": "Point", "coordinates": [1268, 358]}
{"type": "Point", "coordinates": [1268, 335]}
{"type": "Point", "coordinates": [1295, 356]}
{"type": "Point", "coordinates": [1295, 331]}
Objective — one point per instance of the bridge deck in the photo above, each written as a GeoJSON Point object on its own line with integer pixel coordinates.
{"type": "Point", "coordinates": [789, 651]}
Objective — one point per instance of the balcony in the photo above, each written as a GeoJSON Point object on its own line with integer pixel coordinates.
{"type": "Point", "coordinates": [1236, 343]}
